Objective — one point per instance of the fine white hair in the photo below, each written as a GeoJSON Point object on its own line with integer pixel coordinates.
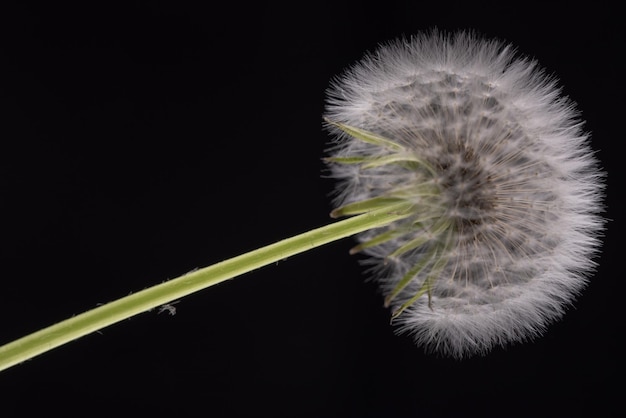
{"type": "Point", "coordinates": [507, 193]}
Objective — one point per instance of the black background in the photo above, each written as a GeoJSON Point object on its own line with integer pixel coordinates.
{"type": "Point", "coordinates": [142, 140]}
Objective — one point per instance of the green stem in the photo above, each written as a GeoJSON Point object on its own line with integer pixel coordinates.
{"type": "Point", "coordinates": [70, 329]}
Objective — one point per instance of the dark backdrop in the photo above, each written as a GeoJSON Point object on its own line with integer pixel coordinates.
{"type": "Point", "coordinates": [142, 140]}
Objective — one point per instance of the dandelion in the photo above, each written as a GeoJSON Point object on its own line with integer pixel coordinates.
{"type": "Point", "coordinates": [504, 189]}
{"type": "Point", "coordinates": [469, 183]}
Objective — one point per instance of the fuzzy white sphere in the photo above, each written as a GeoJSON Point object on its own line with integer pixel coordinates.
{"type": "Point", "coordinates": [506, 191]}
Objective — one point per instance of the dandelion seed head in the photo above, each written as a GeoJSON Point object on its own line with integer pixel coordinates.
{"type": "Point", "coordinates": [506, 192]}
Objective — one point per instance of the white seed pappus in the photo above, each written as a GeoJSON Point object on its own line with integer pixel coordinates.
{"type": "Point", "coordinates": [506, 192]}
